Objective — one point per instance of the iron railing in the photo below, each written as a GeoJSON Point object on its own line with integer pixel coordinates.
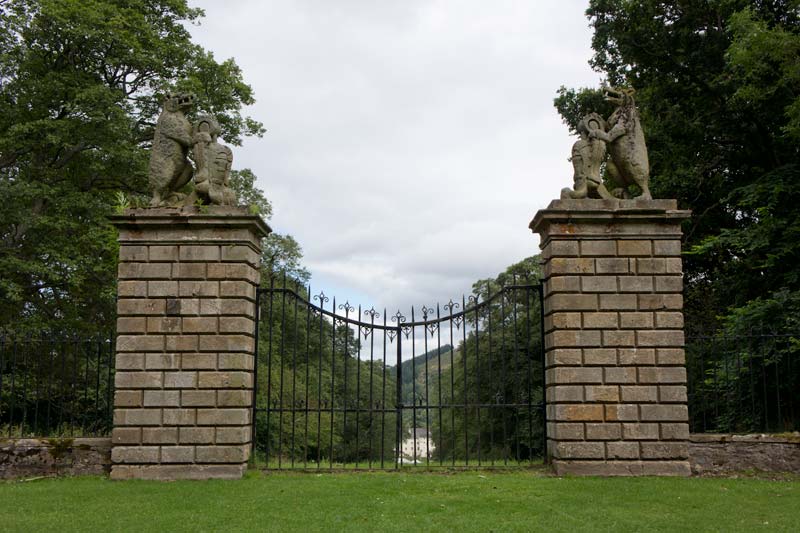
{"type": "Point", "coordinates": [56, 387]}
{"type": "Point", "coordinates": [743, 383]}
{"type": "Point", "coordinates": [453, 385]}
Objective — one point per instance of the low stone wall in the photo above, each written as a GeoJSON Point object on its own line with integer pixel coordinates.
{"type": "Point", "coordinates": [20, 458]}
{"type": "Point", "coordinates": [726, 454]}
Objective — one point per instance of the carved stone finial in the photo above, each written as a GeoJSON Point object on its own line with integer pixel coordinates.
{"type": "Point", "coordinates": [629, 164]}
{"type": "Point", "coordinates": [623, 136]}
{"type": "Point", "coordinates": [170, 169]}
{"type": "Point", "coordinates": [213, 161]}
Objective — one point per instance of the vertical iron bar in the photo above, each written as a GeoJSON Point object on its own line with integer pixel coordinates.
{"type": "Point", "coordinates": [439, 381]}
{"type": "Point", "coordinates": [413, 389]}
{"type": "Point", "coordinates": [358, 383]}
{"type": "Point", "coordinates": [333, 378]}
{"type": "Point", "coordinates": [427, 396]}
{"type": "Point", "coordinates": [2, 370]}
{"type": "Point", "coordinates": [371, 377]}
{"type": "Point", "coordinates": [490, 410]}
{"type": "Point", "coordinates": [477, 376]}
{"type": "Point", "coordinates": [37, 365]}
{"type": "Point", "coordinates": [306, 402]}
{"type": "Point", "coordinates": [13, 385]}
{"type": "Point", "coordinates": [294, 368]}
{"type": "Point", "coordinates": [270, 342]}
{"type": "Point", "coordinates": [515, 362]}
{"type": "Point", "coordinates": [109, 380]}
{"type": "Point", "coordinates": [503, 366]}
{"type": "Point", "coordinates": [344, 394]}
{"type": "Point", "coordinates": [529, 358]}
{"type": "Point", "coordinates": [543, 367]}
{"type": "Point", "coordinates": [319, 380]}
{"type": "Point", "coordinates": [383, 393]}
{"type": "Point", "coordinates": [74, 396]}
{"type": "Point", "coordinates": [282, 353]}
{"type": "Point", "coordinates": [254, 403]}
{"type": "Point", "coordinates": [49, 382]}
{"type": "Point", "coordinates": [24, 377]}
{"type": "Point", "coordinates": [97, 378]}
{"type": "Point", "coordinates": [398, 457]}
{"type": "Point", "coordinates": [466, 381]}
{"type": "Point", "coordinates": [84, 409]}
{"type": "Point", "coordinates": [452, 386]}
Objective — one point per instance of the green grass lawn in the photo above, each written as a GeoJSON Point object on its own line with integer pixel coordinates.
{"type": "Point", "coordinates": [401, 501]}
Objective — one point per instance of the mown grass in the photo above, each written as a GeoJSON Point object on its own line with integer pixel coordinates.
{"type": "Point", "coordinates": [401, 501]}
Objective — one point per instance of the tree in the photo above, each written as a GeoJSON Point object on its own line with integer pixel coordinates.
{"type": "Point", "coordinates": [80, 90]}
{"type": "Point", "coordinates": [718, 86]}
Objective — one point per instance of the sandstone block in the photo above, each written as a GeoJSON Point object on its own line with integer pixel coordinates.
{"type": "Point", "coordinates": [161, 398]}
{"type": "Point", "coordinates": [662, 374]}
{"type": "Point", "coordinates": [134, 454]}
{"type": "Point", "coordinates": [619, 374]}
{"type": "Point", "coordinates": [568, 375]}
{"type": "Point", "coordinates": [199, 361]}
{"type": "Point", "coordinates": [182, 343]}
{"type": "Point", "coordinates": [234, 435]}
{"type": "Point", "coordinates": [599, 247]}
{"type": "Point", "coordinates": [600, 356]}
{"type": "Point", "coordinates": [612, 266]}
{"type": "Point", "coordinates": [639, 393]}
{"type": "Point", "coordinates": [198, 398]}
{"type": "Point", "coordinates": [135, 289]}
{"type": "Point", "coordinates": [138, 380]}
{"type": "Point", "coordinates": [199, 324]}
{"type": "Point", "coordinates": [180, 380]}
{"type": "Point", "coordinates": [196, 435]}
{"type": "Point", "coordinates": [565, 431]}
{"type": "Point", "coordinates": [130, 361]}
{"type": "Point", "coordinates": [675, 431]}
{"type": "Point", "coordinates": [127, 398]}
{"type": "Point", "coordinates": [671, 356]}
{"type": "Point", "coordinates": [600, 320]}
{"type": "Point", "coordinates": [222, 454]}
{"type": "Point", "coordinates": [621, 413]}
{"type": "Point", "coordinates": [131, 325]}
{"type": "Point", "coordinates": [665, 450]}
{"type": "Point", "coordinates": [634, 247]}
{"type": "Point", "coordinates": [199, 253]}
{"type": "Point", "coordinates": [167, 253]}
{"type": "Point", "coordinates": [599, 283]}
{"type": "Point", "coordinates": [140, 343]}
{"type": "Point", "coordinates": [567, 338]}
{"type": "Point", "coordinates": [577, 413]}
{"type": "Point", "coordinates": [226, 343]}
{"type": "Point", "coordinates": [180, 417]}
{"type": "Point", "coordinates": [640, 431]}
{"type": "Point", "coordinates": [562, 284]}
{"type": "Point", "coordinates": [667, 247]}
{"type": "Point", "coordinates": [571, 302]}
{"type": "Point", "coordinates": [182, 306]}
{"type": "Point", "coordinates": [161, 435]}
{"type": "Point", "coordinates": [177, 454]}
{"type": "Point", "coordinates": [651, 265]}
{"type": "Point", "coordinates": [124, 435]}
{"type": "Point", "coordinates": [128, 252]}
{"type": "Point", "coordinates": [162, 361]}
{"type": "Point", "coordinates": [635, 283]}
{"type": "Point", "coordinates": [189, 271]}
{"type": "Point", "coordinates": [199, 288]}
{"type": "Point", "coordinates": [656, 302]}
{"type": "Point", "coordinates": [127, 307]}
{"type": "Point", "coordinates": [602, 393]}
{"type": "Point", "coordinates": [234, 361]}
{"type": "Point", "coordinates": [637, 356]}
{"type": "Point", "coordinates": [223, 417]}
{"type": "Point", "coordinates": [672, 393]}
{"type": "Point", "coordinates": [622, 450]}
{"type": "Point", "coordinates": [564, 393]}
{"type": "Point", "coordinates": [224, 380]}
{"type": "Point", "coordinates": [603, 431]}
{"type": "Point", "coordinates": [234, 398]}
{"type": "Point", "coordinates": [580, 450]}
{"type": "Point", "coordinates": [617, 302]}
{"type": "Point", "coordinates": [137, 417]}
{"type": "Point", "coordinates": [664, 413]}
{"type": "Point", "coordinates": [667, 319]}
{"type": "Point", "coordinates": [237, 289]}
{"type": "Point", "coordinates": [163, 324]}
{"type": "Point", "coordinates": [618, 337]}
{"type": "Point", "coordinates": [669, 284]}
{"type": "Point", "coordinates": [157, 289]}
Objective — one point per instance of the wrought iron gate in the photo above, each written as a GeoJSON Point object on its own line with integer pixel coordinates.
{"type": "Point", "coordinates": [456, 385]}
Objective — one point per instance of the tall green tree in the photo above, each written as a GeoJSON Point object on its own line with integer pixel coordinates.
{"type": "Point", "coordinates": [80, 90]}
{"type": "Point", "coordinates": [718, 86]}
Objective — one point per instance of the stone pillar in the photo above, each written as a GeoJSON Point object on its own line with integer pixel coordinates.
{"type": "Point", "coordinates": [615, 370]}
{"type": "Point", "coordinates": [185, 342]}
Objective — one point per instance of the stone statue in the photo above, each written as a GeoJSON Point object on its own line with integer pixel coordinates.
{"type": "Point", "coordinates": [588, 154]}
{"type": "Point", "coordinates": [213, 162]}
{"type": "Point", "coordinates": [170, 169]}
{"type": "Point", "coordinates": [628, 164]}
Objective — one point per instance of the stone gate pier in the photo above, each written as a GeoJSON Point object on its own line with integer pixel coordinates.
{"type": "Point", "coordinates": [615, 374]}
{"type": "Point", "coordinates": [185, 342]}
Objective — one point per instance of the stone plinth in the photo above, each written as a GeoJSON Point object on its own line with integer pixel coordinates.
{"type": "Point", "coordinates": [615, 373]}
{"type": "Point", "coordinates": [185, 342]}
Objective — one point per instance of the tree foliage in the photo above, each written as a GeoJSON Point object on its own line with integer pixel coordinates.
{"type": "Point", "coordinates": [80, 91]}
{"type": "Point", "coordinates": [718, 86]}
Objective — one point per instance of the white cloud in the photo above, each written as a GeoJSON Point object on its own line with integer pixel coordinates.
{"type": "Point", "coordinates": [408, 143]}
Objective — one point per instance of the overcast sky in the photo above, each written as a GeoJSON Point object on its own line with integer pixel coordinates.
{"type": "Point", "coordinates": [409, 142]}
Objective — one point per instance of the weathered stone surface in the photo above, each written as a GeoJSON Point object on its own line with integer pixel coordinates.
{"type": "Point", "coordinates": [720, 454]}
{"type": "Point", "coordinates": [185, 344]}
{"type": "Point", "coordinates": [22, 458]}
